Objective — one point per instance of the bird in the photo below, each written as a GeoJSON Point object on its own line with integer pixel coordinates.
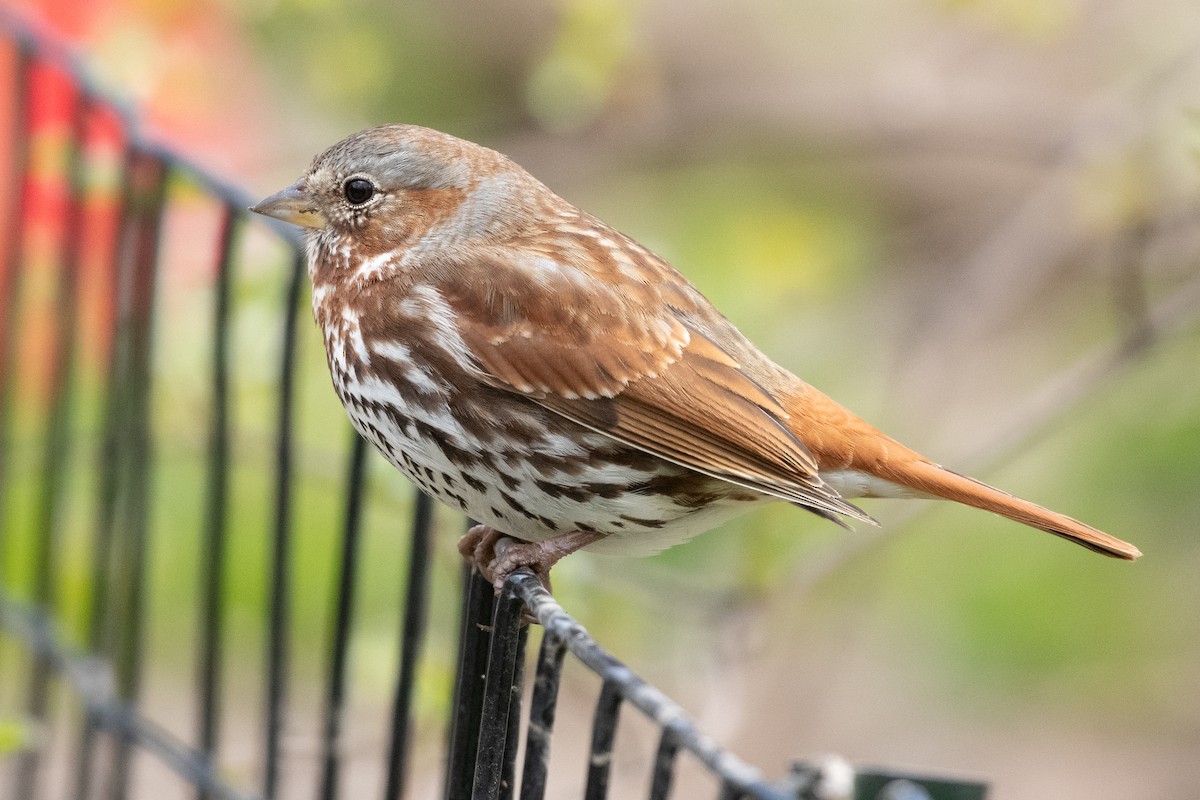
{"type": "Point", "coordinates": [522, 361]}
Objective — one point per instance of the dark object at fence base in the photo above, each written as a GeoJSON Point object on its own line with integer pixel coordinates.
{"type": "Point", "coordinates": [814, 779]}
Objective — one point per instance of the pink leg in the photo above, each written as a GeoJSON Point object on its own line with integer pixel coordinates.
{"type": "Point", "coordinates": [497, 556]}
{"type": "Point", "coordinates": [512, 554]}
{"type": "Point", "coordinates": [478, 547]}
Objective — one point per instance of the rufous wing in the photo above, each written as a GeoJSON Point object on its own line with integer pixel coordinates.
{"type": "Point", "coordinates": [622, 360]}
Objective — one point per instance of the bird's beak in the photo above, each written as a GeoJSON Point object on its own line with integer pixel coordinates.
{"type": "Point", "coordinates": [292, 205]}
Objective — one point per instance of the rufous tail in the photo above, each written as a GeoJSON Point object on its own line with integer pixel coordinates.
{"type": "Point", "coordinates": [840, 440]}
{"type": "Point", "coordinates": [927, 477]}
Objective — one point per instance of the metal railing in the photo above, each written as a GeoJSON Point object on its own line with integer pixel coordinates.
{"type": "Point", "coordinates": [87, 743]}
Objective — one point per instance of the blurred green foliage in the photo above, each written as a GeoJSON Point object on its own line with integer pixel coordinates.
{"type": "Point", "coordinates": [1037, 20]}
{"type": "Point", "coordinates": [365, 60]}
{"type": "Point", "coordinates": [14, 736]}
{"type": "Point", "coordinates": [571, 83]}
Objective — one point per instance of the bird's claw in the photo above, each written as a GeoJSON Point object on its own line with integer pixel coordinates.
{"type": "Point", "coordinates": [496, 555]}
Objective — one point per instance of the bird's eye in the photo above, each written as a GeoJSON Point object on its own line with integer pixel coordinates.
{"type": "Point", "coordinates": [359, 191]}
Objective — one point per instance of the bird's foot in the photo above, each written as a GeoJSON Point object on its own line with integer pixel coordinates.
{"type": "Point", "coordinates": [496, 555]}
{"type": "Point", "coordinates": [478, 547]}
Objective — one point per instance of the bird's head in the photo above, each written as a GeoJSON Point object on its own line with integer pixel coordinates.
{"type": "Point", "coordinates": [392, 186]}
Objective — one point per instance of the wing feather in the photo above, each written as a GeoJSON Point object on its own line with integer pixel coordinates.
{"type": "Point", "coordinates": [635, 360]}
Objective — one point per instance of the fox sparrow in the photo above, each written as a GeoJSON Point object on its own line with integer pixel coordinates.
{"type": "Point", "coordinates": [522, 361]}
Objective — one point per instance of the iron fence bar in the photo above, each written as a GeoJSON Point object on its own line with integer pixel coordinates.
{"type": "Point", "coordinates": [478, 601]}
{"type": "Point", "coordinates": [501, 697]}
{"type": "Point", "coordinates": [542, 706]}
{"type": "Point", "coordinates": [646, 698]}
{"type": "Point", "coordinates": [97, 632]}
{"type": "Point", "coordinates": [664, 765]}
{"type": "Point", "coordinates": [56, 443]}
{"type": "Point", "coordinates": [216, 505]}
{"type": "Point", "coordinates": [508, 775]}
{"type": "Point", "coordinates": [151, 176]}
{"type": "Point", "coordinates": [14, 243]}
{"type": "Point", "coordinates": [280, 567]}
{"type": "Point", "coordinates": [64, 337]}
{"type": "Point", "coordinates": [729, 792]}
{"type": "Point", "coordinates": [604, 732]}
{"type": "Point", "coordinates": [416, 609]}
{"type": "Point", "coordinates": [335, 699]}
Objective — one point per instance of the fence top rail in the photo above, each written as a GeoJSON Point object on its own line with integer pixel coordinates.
{"type": "Point", "coordinates": [659, 708]}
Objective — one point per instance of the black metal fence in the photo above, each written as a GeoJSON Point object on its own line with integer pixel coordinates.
{"type": "Point", "coordinates": [81, 315]}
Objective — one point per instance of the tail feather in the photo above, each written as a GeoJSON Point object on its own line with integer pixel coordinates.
{"type": "Point", "coordinates": [927, 477]}
{"type": "Point", "coordinates": [841, 441]}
